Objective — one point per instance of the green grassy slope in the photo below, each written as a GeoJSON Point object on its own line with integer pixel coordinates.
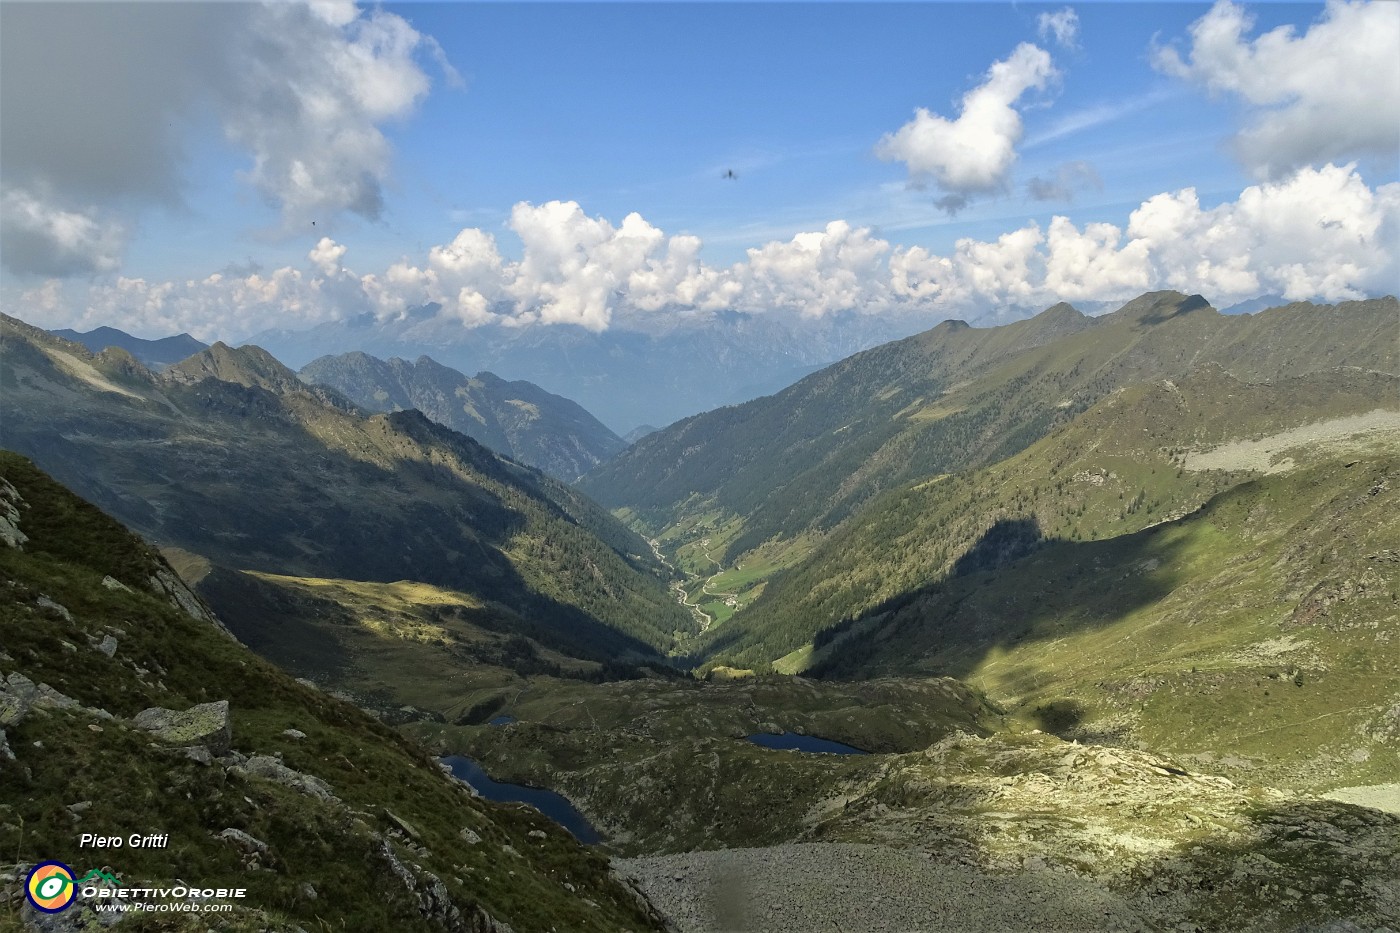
{"type": "Point", "coordinates": [80, 579]}
{"type": "Point", "coordinates": [1119, 467]}
{"type": "Point", "coordinates": [950, 399]}
{"type": "Point", "coordinates": [1256, 633]}
{"type": "Point", "coordinates": [408, 650]}
{"type": "Point", "coordinates": [227, 455]}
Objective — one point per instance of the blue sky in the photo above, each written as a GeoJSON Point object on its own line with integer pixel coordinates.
{"type": "Point", "coordinates": [459, 113]}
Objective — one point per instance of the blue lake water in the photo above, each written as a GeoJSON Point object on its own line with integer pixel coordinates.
{"type": "Point", "coordinates": [552, 805]}
{"type": "Point", "coordinates": [501, 720]}
{"type": "Point", "coordinates": [792, 741]}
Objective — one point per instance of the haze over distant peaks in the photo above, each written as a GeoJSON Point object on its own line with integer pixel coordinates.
{"type": "Point", "coordinates": [156, 354]}
{"type": "Point", "coordinates": [677, 367]}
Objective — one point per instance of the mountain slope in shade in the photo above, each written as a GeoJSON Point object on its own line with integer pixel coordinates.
{"type": "Point", "coordinates": [518, 419]}
{"type": "Point", "coordinates": [229, 456]}
{"type": "Point", "coordinates": [325, 816]}
{"type": "Point", "coordinates": [156, 354]}
{"type": "Point", "coordinates": [954, 397]}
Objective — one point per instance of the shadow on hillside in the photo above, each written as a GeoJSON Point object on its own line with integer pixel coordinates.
{"type": "Point", "coordinates": [1012, 586]}
{"type": "Point", "coordinates": [1005, 542]}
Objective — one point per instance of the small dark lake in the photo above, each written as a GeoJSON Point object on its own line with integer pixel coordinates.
{"type": "Point", "coordinates": [552, 805]}
{"type": "Point", "coordinates": [791, 741]}
{"type": "Point", "coordinates": [501, 720]}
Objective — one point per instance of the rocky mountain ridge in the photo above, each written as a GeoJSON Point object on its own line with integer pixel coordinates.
{"type": "Point", "coordinates": [517, 419]}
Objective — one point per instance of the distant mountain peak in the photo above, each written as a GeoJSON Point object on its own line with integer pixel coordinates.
{"type": "Point", "coordinates": [517, 419]}
{"type": "Point", "coordinates": [1061, 310]}
{"type": "Point", "coordinates": [1158, 307]}
{"type": "Point", "coordinates": [155, 354]}
{"type": "Point", "coordinates": [247, 365]}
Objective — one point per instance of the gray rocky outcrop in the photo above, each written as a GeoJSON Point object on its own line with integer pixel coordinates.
{"type": "Point", "coordinates": [206, 724]}
{"type": "Point", "coordinates": [254, 850]}
{"type": "Point", "coordinates": [19, 695]}
{"type": "Point", "coordinates": [46, 603]}
{"type": "Point", "coordinates": [10, 502]}
{"type": "Point", "coordinates": [433, 900]}
{"type": "Point", "coordinates": [269, 768]}
{"type": "Point", "coordinates": [166, 583]}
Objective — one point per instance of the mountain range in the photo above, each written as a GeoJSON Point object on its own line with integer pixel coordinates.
{"type": "Point", "coordinates": [156, 354]}
{"type": "Point", "coordinates": [780, 472]}
{"type": "Point", "coordinates": [229, 456]}
{"type": "Point", "coordinates": [648, 371]}
{"type": "Point", "coordinates": [1100, 606]}
{"type": "Point", "coordinates": [518, 419]}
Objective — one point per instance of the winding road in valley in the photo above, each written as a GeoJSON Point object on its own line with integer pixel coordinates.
{"type": "Point", "coordinates": [682, 597]}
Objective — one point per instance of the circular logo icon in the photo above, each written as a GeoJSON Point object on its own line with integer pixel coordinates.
{"type": "Point", "coordinates": [50, 887]}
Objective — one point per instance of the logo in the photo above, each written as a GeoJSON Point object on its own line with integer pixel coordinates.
{"type": "Point", "coordinates": [50, 887]}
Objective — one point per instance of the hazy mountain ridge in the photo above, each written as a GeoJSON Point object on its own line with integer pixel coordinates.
{"type": "Point", "coordinates": [652, 370]}
{"type": "Point", "coordinates": [156, 354]}
{"type": "Point", "coordinates": [321, 813]}
{"type": "Point", "coordinates": [517, 419]}
{"type": "Point", "coordinates": [230, 456]}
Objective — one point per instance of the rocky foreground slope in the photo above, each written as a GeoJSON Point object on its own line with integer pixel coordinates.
{"type": "Point", "coordinates": [125, 709]}
{"type": "Point", "coordinates": [1031, 833]}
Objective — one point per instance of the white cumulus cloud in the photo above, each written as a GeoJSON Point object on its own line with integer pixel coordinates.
{"type": "Point", "coordinates": [1320, 234]}
{"type": "Point", "coordinates": [974, 153]}
{"type": "Point", "coordinates": [326, 255]}
{"type": "Point", "coordinates": [1330, 93]}
{"type": "Point", "coordinates": [815, 274]}
{"type": "Point", "coordinates": [308, 105]}
{"type": "Point", "coordinates": [304, 91]}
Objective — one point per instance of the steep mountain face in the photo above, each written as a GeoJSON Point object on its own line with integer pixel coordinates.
{"type": "Point", "coordinates": [518, 419]}
{"type": "Point", "coordinates": [125, 708]}
{"type": "Point", "coordinates": [954, 397]}
{"type": "Point", "coordinates": [229, 456]}
{"type": "Point", "coordinates": [649, 371]}
{"type": "Point", "coordinates": [156, 354]}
